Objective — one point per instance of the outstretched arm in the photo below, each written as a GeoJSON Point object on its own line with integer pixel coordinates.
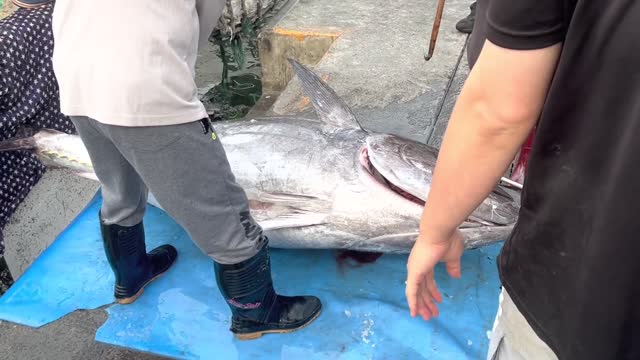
{"type": "Point", "coordinates": [499, 104]}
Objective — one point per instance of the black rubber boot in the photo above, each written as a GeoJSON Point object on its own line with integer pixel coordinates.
{"type": "Point", "coordinates": [466, 25]}
{"type": "Point", "coordinates": [255, 307]}
{"type": "Point", "coordinates": [132, 266]}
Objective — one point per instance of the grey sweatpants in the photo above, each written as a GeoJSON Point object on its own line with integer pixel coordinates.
{"type": "Point", "coordinates": [188, 173]}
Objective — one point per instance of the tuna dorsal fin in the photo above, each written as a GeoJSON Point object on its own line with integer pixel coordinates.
{"type": "Point", "coordinates": [329, 107]}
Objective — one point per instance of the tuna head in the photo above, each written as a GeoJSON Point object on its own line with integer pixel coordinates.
{"type": "Point", "coordinates": [407, 167]}
{"type": "Point", "coordinates": [383, 208]}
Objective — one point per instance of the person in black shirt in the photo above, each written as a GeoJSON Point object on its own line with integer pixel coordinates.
{"type": "Point", "coordinates": [570, 268]}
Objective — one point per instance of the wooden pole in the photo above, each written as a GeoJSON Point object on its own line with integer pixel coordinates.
{"type": "Point", "coordinates": [436, 28]}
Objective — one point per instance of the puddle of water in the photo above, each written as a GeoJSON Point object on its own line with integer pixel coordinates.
{"type": "Point", "coordinates": [238, 86]}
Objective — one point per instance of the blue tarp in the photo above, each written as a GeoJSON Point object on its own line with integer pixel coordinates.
{"type": "Point", "coordinates": [182, 314]}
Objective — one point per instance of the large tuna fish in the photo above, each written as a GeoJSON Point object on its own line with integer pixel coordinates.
{"type": "Point", "coordinates": [322, 183]}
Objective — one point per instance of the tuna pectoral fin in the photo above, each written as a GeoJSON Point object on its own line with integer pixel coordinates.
{"type": "Point", "coordinates": [290, 221]}
{"type": "Point", "coordinates": [18, 144]}
{"type": "Point", "coordinates": [278, 210]}
{"type": "Point", "coordinates": [282, 211]}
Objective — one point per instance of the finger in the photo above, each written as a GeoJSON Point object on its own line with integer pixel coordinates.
{"type": "Point", "coordinates": [425, 313]}
{"type": "Point", "coordinates": [423, 308]}
{"type": "Point", "coordinates": [413, 303]}
{"type": "Point", "coordinates": [454, 269]}
{"type": "Point", "coordinates": [433, 288]}
{"type": "Point", "coordinates": [428, 304]}
{"type": "Point", "coordinates": [411, 293]}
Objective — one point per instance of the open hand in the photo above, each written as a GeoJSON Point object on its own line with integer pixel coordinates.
{"type": "Point", "coordinates": [421, 289]}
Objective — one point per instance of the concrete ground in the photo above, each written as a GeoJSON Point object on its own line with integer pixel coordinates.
{"type": "Point", "coordinates": [70, 338]}
{"type": "Point", "coordinates": [371, 54]}
{"type": "Point", "coordinates": [376, 60]}
{"type": "Point", "coordinates": [6, 8]}
{"type": "Point", "coordinates": [33, 227]}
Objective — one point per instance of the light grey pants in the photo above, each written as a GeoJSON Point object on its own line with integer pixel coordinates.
{"type": "Point", "coordinates": [513, 338]}
{"type": "Point", "coordinates": [187, 171]}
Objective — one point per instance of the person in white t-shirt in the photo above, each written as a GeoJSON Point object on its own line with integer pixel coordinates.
{"type": "Point", "coordinates": [126, 75]}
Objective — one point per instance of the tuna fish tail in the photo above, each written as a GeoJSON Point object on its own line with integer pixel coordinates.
{"type": "Point", "coordinates": [28, 143]}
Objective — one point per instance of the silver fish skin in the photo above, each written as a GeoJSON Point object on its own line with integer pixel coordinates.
{"type": "Point", "coordinates": [323, 183]}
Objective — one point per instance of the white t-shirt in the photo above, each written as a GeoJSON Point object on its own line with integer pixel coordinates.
{"type": "Point", "coordinates": [131, 63]}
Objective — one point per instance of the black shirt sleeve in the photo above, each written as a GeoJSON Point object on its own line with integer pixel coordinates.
{"type": "Point", "coordinates": [525, 24]}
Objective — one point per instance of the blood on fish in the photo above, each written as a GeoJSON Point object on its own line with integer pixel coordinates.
{"type": "Point", "coordinates": [520, 168]}
{"type": "Point", "coordinates": [404, 194]}
{"type": "Point", "coordinates": [359, 257]}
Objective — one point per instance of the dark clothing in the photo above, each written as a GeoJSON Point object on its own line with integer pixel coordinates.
{"type": "Point", "coordinates": [28, 97]}
{"type": "Point", "coordinates": [571, 264]}
{"type": "Point", "coordinates": [466, 25]}
{"type": "Point", "coordinates": [479, 33]}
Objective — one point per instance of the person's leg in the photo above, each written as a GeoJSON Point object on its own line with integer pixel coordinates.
{"type": "Point", "coordinates": [191, 179]}
{"type": "Point", "coordinates": [188, 172]}
{"type": "Point", "coordinates": [124, 201]}
{"type": "Point", "coordinates": [466, 25]}
{"type": "Point", "coordinates": [513, 338]}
